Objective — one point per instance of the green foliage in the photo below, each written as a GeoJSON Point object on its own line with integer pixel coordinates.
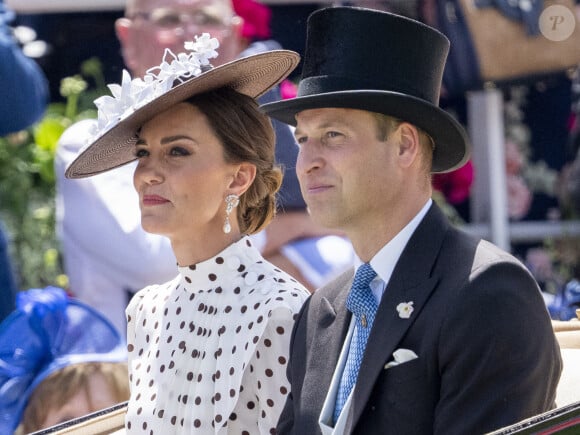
{"type": "Point", "coordinates": [27, 181]}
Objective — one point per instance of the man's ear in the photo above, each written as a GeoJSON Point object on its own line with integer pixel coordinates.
{"type": "Point", "coordinates": [123, 29]}
{"type": "Point", "coordinates": [243, 178]}
{"type": "Point", "coordinates": [237, 38]}
{"type": "Point", "coordinates": [409, 145]}
{"type": "Point", "coordinates": [237, 25]}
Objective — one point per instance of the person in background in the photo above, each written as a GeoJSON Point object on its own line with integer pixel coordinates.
{"type": "Point", "coordinates": [75, 391]}
{"type": "Point", "coordinates": [24, 86]}
{"type": "Point", "coordinates": [59, 359]}
{"type": "Point", "coordinates": [437, 332]}
{"type": "Point", "coordinates": [208, 349]}
{"type": "Point", "coordinates": [23, 99]}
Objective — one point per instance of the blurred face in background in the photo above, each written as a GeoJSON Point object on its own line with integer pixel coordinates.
{"type": "Point", "coordinates": [96, 395]}
{"type": "Point", "coordinates": [73, 391]}
{"type": "Point", "coordinates": [150, 26]}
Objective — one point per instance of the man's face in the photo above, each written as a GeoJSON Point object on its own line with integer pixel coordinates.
{"type": "Point", "coordinates": [350, 179]}
{"type": "Point", "coordinates": [151, 26]}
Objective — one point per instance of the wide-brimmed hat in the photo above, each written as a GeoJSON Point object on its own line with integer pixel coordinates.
{"type": "Point", "coordinates": [377, 61]}
{"type": "Point", "coordinates": [47, 332]}
{"type": "Point", "coordinates": [176, 79]}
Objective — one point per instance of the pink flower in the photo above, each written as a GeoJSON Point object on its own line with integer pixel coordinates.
{"type": "Point", "coordinates": [287, 89]}
{"type": "Point", "coordinates": [455, 185]}
{"type": "Point", "coordinates": [256, 18]}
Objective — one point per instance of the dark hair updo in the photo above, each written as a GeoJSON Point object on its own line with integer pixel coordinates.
{"type": "Point", "coordinates": [247, 135]}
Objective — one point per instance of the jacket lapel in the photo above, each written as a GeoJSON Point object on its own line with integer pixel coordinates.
{"type": "Point", "coordinates": [411, 282]}
{"type": "Point", "coordinates": [326, 335]}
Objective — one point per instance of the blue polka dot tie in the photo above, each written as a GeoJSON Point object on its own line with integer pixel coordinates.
{"type": "Point", "coordinates": [363, 305]}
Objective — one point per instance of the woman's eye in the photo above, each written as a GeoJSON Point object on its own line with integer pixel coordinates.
{"type": "Point", "coordinates": [179, 151]}
{"type": "Point", "coordinates": [141, 153]}
{"type": "Point", "coordinates": [301, 140]}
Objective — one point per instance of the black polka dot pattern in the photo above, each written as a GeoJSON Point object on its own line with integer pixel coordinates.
{"type": "Point", "coordinates": [208, 351]}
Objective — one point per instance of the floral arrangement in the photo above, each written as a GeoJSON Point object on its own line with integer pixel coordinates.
{"type": "Point", "coordinates": [524, 177]}
{"type": "Point", "coordinates": [27, 180]}
{"type": "Point", "coordinates": [555, 262]}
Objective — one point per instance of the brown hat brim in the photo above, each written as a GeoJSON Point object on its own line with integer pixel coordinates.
{"type": "Point", "coordinates": [253, 76]}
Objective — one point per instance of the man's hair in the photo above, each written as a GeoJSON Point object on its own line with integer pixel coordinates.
{"type": "Point", "coordinates": [387, 124]}
{"type": "Point", "coordinates": [247, 135]}
{"type": "Point", "coordinates": [221, 7]}
{"type": "Point", "coordinates": [61, 386]}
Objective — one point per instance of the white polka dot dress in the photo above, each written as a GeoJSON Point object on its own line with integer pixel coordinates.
{"type": "Point", "coordinates": [208, 351]}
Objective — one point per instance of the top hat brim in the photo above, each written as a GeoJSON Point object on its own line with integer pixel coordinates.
{"type": "Point", "coordinates": [450, 139]}
{"type": "Point", "coordinates": [252, 75]}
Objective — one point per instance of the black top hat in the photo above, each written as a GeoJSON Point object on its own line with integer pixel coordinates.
{"type": "Point", "coordinates": [366, 59]}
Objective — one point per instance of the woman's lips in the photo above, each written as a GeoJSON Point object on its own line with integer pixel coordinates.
{"type": "Point", "coordinates": [151, 200]}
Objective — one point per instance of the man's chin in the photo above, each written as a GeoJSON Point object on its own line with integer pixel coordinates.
{"type": "Point", "coordinates": [325, 219]}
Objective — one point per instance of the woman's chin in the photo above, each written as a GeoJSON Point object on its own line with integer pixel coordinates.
{"type": "Point", "coordinates": [153, 226]}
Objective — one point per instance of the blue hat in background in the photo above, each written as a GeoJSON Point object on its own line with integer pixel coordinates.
{"type": "Point", "coordinates": [48, 331]}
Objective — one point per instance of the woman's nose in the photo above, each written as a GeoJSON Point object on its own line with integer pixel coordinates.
{"type": "Point", "coordinates": [147, 172]}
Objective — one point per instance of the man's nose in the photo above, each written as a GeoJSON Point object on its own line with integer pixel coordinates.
{"type": "Point", "coordinates": [308, 160]}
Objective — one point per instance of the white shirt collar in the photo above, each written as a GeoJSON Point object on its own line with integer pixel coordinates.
{"type": "Point", "coordinates": [386, 259]}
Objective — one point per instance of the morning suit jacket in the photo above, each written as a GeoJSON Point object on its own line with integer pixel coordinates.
{"type": "Point", "coordinates": [487, 355]}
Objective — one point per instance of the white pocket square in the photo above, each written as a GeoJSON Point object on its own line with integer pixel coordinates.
{"type": "Point", "coordinates": [401, 356]}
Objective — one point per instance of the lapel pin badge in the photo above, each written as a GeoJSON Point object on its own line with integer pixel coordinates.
{"type": "Point", "coordinates": [405, 309]}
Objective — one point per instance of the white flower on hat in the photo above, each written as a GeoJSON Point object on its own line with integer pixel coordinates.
{"type": "Point", "coordinates": [205, 46]}
{"type": "Point", "coordinates": [405, 309]}
{"type": "Point", "coordinates": [126, 97]}
{"type": "Point", "coordinates": [132, 94]}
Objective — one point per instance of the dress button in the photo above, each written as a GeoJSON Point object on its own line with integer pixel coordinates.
{"type": "Point", "coordinates": [251, 278]}
{"type": "Point", "coordinates": [233, 262]}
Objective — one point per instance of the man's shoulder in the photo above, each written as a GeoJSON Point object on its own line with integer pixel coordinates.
{"type": "Point", "coordinates": [488, 252]}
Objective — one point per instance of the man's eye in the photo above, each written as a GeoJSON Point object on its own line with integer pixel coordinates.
{"type": "Point", "coordinates": [168, 20]}
{"type": "Point", "coordinates": [333, 134]}
{"type": "Point", "coordinates": [207, 20]}
{"type": "Point", "coordinates": [301, 140]}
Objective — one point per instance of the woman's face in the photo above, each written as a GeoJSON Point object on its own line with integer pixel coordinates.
{"type": "Point", "coordinates": [182, 177]}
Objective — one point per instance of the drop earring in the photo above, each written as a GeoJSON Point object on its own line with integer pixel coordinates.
{"type": "Point", "coordinates": [231, 202]}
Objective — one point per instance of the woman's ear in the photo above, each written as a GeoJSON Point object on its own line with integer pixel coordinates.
{"type": "Point", "coordinates": [409, 145]}
{"type": "Point", "coordinates": [243, 178]}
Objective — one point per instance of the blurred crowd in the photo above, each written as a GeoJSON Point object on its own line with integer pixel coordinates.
{"type": "Point", "coordinates": [95, 217]}
{"type": "Point", "coordinates": [541, 147]}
